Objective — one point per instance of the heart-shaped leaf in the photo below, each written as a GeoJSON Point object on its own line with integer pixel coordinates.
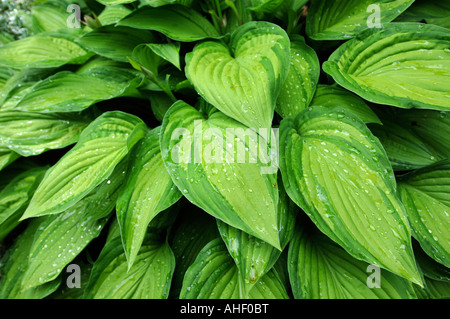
{"type": "Point", "coordinates": [403, 64]}
{"type": "Point", "coordinates": [147, 191]}
{"type": "Point", "coordinates": [338, 173]}
{"type": "Point", "coordinates": [300, 85]}
{"type": "Point", "coordinates": [320, 269]}
{"type": "Point", "coordinates": [217, 167]}
{"type": "Point", "coordinates": [426, 195]}
{"type": "Point", "coordinates": [213, 275]}
{"type": "Point", "coordinates": [102, 145]}
{"type": "Point", "coordinates": [343, 19]}
{"type": "Point", "coordinates": [244, 80]}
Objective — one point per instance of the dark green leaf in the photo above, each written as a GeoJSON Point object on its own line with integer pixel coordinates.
{"type": "Point", "coordinates": [190, 25]}
{"type": "Point", "coordinates": [426, 195]}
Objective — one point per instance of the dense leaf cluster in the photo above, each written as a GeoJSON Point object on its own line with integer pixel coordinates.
{"type": "Point", "coordinates": [225, 149]}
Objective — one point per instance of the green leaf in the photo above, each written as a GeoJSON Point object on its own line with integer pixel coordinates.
{"type": "Point", "coordinates": [321, 269]}
{"type": "Point", "coordinates": [263, 6]}
{"type": "Point", "coordinates": [254, 257]}
{"type": "Point", "coordinates": [49, 16]}
{"type": "Point", "coordinates": [5, 38]}
{"type": "Point", "coordinates": [437, 289]}
{"type": "Point", "coordinates": [337, 20]}
{"type": "Point", "coordinates": [292, 6]}
{"type": "Point", "coordinates": [426, 195]}
{"type": "Point", "coordinates": [281, 267]}
{"type": "Point", "coordinates": [60, 238]}
{"type": "Point", "coordinates": [431, 269]}
{"type": "Point", "coordinates": [269, 287]}
{"type": "Point", "coordinates": [115, 2]}
{"type": "Point", "coordinates": [30, 133]}
{"type": "Point", "coordinates": [168, 51]}
{"type": "Point", "coordinates": [65, 292]}
{"type": "Point", "coordinates": [432, 11]}
{"type": "Point", "coordinates": [14, 264]}
{"type": "Point", "coordinates": [145, 60]}
{"type": "Point", "coordinates": [7, 157]}
{"type": "Point", "coordinates": [5, 74]}
{"type": "Point", "coordinates": [102, 145]}
{"type": "Point", "coordinates": [300, 85]}
{"type": "Point", "coordinates": [213, 275]}
{"type": "Point", "coordinates": [405, 150]}
{"type": "Point", "coordinates": [216, 166]}
{"type": "Point", "coordinates": [159, 3]}
{"type": "Point", "coordinates": [338, 173]}
{"type": "Point", "coordinates": [148, 278]}
{"type": "Point", "coordinates": [403, 64]}
{"type": "Point", "coordinates": [327, 95]}
{"type": "Point", "coordinates": [20, 81]}
{"type": "Point", "coordinates": [15, 197]}
{"type": "Point", "coordinates": [115, 43]}
{"type": "Point", "coordinates": [147, 191]}
{"type": "Point", "coordinates": [436, 275]}
{"type": "Point", "coordinates": [42, 51]}
{"type": "Point", "coordinates": [243, 81]}
{"type": "Point", "coordinates": [190, 25]}
{"type": "Point", "coordinates": [160, 103]}
{"type": "Point", "coordinates": [61, 92]}
{"type": "Point", "coordinates": [113, 14]}
{"type": "Point", "coordinates": [432, 127]}
{"type": "Point", "coordinates": [192, 232]}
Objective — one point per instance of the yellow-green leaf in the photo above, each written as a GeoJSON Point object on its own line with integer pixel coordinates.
{"type": "Point", "coordinates": [243, 80]}
{"type": "Point", "coordinates": [338, 173]}
{"type": "Point", "coordinates": [102, 145]}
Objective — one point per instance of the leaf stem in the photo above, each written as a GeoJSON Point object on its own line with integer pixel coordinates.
{"type": "Point", "coordinates": [165, 88]}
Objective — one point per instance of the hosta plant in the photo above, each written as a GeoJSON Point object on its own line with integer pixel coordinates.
{"type": "Point", "coordinates": [257, 149]}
